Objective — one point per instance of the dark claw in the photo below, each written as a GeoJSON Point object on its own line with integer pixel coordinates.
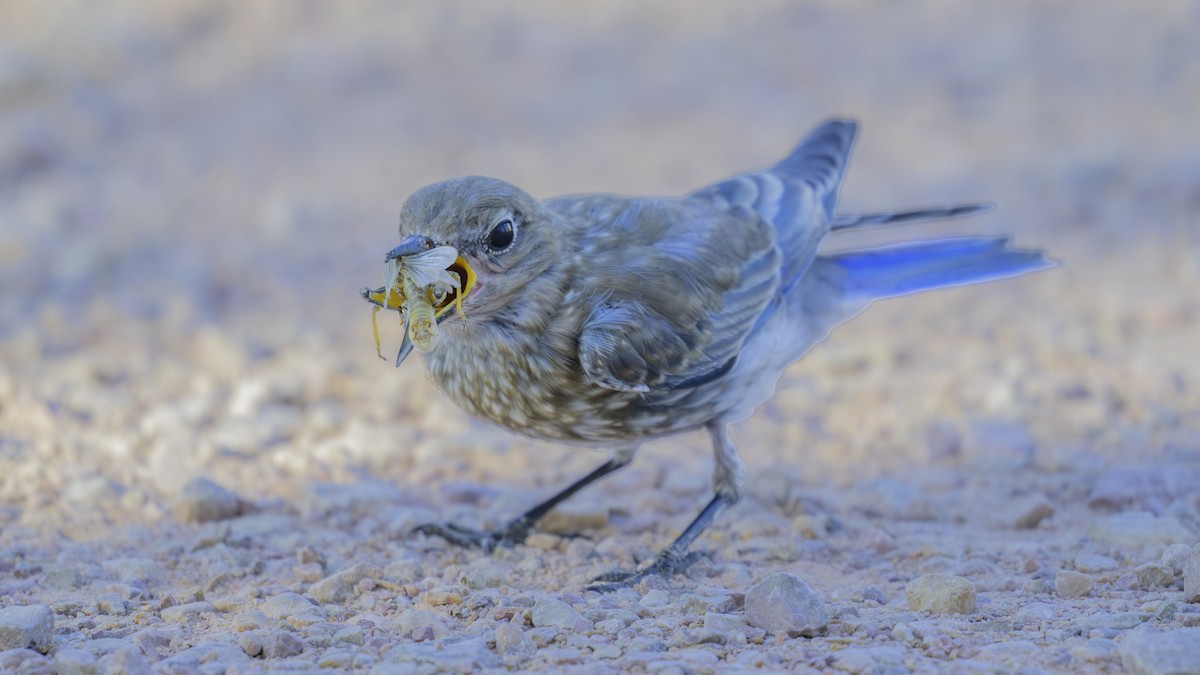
{"type": "Point", "coordinates": [516, 532]}
{"type": "Point", "coordinates": [666, 564]}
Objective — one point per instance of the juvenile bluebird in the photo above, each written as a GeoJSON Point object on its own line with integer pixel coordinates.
{"type": "Point", "coordinates": [604, 321]}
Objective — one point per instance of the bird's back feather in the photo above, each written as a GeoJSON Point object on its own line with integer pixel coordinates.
{"type": "Point", "coordinates": [797, 196]}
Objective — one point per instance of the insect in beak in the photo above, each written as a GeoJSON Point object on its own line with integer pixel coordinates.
{"type": "Point", "coordinates": [427, 284]}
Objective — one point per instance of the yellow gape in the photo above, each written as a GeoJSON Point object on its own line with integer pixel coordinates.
{"type": "Point", "coordinates": [425, 287]}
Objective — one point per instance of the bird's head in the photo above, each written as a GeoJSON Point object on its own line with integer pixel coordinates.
{"type": "Point", "coordinates": [501, 233]}
{"type": "Point", "coordinates": [496, 228]}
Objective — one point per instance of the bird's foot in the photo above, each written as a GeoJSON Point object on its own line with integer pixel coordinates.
{"type": "Point", "coordinates": [666, 564]}
{"type": "Point", "coordinates": [515, 532]}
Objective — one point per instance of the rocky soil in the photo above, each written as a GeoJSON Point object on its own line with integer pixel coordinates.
{"type": "Point", "coordinates": [205, 468]}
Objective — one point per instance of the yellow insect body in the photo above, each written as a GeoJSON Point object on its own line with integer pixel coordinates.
{"type": "Point", "coordinates": [420, 285]}
{"type": "Point", "coordinates": [422, 322]}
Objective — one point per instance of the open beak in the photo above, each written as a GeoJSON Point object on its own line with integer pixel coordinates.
{"type": "Point", "coordinates": [393, 298]}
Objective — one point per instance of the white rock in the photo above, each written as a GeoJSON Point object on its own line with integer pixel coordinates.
{"type": "Point", "coordinates": [270, 644]}
{"type": "Point", "coordinates": [1175, 556]}
{"type": "Point", "coordinates": [554, 613]}
{"type": "Point", "coordinates": [784, 604]}
{"type": "Point", "coordinates": [1153, 575]}
{"type": "Point", "coordinates": [1191, 577]}
{"type": "Point", "coordinates": [655, 598]}
{"type": "Point", "coordinates": [1029, 511]}
{"type": "Point", "coordinates": [111, 603]}
{"type": "Point", "coordinates": [26, 627]}
{"type": "Point", "coordinates": [513, 646]}
{"type": "Point", "coordinates": [731, 627]}
{"type": "Point", "coordinates": [203, 500]}
{"type": "Point", "coordinates": [941, 594]}
{"type": "Point", "coordinates": [181, 613]}
{"type": "Point", "coordinates": [289, 604]}
{"type": "Point", "coordinates": [1175, 652]}
{"type": "Point", "coordinates": [74, 661]}
{"type": "Point", "coordinates": [491, 575]}
{"type": "Point", "coordinates": [337, 588]}
{"type": "Point", "coordinates": [1071, 584]}
{"type": "Point", "coordinates": [411, 620]}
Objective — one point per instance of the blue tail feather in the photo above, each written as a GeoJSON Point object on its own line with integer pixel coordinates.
{"type": "Point", "coordinates": [910, 267]}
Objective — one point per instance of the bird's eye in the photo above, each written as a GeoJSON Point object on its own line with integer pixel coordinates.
{"type": "Point", "coordinates": [501, 236]}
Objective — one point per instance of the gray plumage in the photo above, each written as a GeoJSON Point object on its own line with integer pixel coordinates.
{"type": "Point", "coordinates": [610, 321]}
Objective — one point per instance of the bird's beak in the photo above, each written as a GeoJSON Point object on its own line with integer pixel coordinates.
{"type": "Point", "coordinates": [392, 297]}
{"type": "Point", "coordinates": [411, 246]}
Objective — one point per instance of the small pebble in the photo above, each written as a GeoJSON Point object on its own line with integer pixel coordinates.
{"type": "Point", "coordinates": [784, 604]}
{"type": "Point", "coordinates": [554, 613]}
{"type": "Point", "coordinates": [1028, 512]}
{"type": "Point", "coordinates": [1175, 556]}
{"type": "Point", "coordinates": [182, 613]}
{"type": "Point", "coordinates": [249, 620]}
{"type": "Point", "coordinates": [203, 500]}
{"type": "Point", "coordinates": [1154, 575]}
{"type": "Point", "coordinates": [732, 627]}
{"type": "Point", "coordinates": [350, 634]}
{"type": "Point", "coordinates": [1071, 584]}
{"type": "Point", "coordinates": [940, 594]}
{"type": "Point", "coordinates": [74, 661]}
{"type": "Point", "coordinates": [410, 620]}
{"type": "Point", "coordinates": [655, 598]}
{"type": "Point", "coordinates": [270, 644]}
{"type": "Point", "coordinates": [337, 588]}
{"type": "Point", "coordinates": [609, 651]}
{"type": "Point", "coordinates": [26, 627]}
{"type": "Point", "coordinates": [513, 646]}
{"type": "Point", "coordinates": [111, 603]}
{"type": "Point", "coordinates": [125, 660]}
{"type": "Point", "coordinates": [286, 605]}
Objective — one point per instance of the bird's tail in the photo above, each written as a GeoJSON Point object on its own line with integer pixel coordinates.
{"type": "Point", "coordinates": [900, 269]}
{"type": "Point", "coordinates": [854, 221]}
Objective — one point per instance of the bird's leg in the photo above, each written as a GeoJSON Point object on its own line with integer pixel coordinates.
{"type": "Point", "coordinates": [672, 559]}
{"type": "Point", "coordinates": [517, 529]}
{"type": "Point", "coordinates": [729, 475]}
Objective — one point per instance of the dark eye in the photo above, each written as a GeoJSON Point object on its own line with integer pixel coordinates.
{"type": "Point", "coordinates": [501, 236]}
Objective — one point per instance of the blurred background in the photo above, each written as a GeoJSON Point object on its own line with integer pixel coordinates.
{"type": "Point", "coordinates": [192, 192]}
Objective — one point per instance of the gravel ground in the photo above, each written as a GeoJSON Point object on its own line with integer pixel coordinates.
{"type": "Point", "coordinates": [204, 467]}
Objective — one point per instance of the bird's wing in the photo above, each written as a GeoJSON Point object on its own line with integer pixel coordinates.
{"type": "Point", "coordinates": [798, 195]}
{"type": "Point", "coordinates": [677, 286]}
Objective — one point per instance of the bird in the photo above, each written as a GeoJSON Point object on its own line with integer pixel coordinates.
{"type": "Point", "coordinates": [604, 321]}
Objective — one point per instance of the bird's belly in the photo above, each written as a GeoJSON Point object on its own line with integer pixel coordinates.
{"type": "Point", "coordinates": [558, 405]}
